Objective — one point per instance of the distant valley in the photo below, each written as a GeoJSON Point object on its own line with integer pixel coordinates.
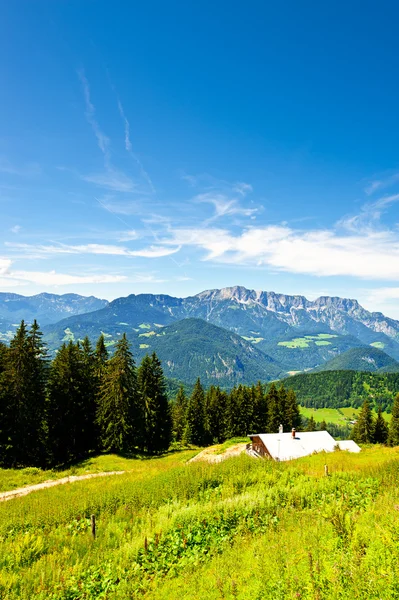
{"type": "Point", "coordinates": [225, 336]}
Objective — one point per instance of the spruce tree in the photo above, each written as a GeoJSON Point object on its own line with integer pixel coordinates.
{"type": "Point", "coordinates": [179, 414]}
{"type": "Point", "coordinates": [393, 435]}
{"type": "Point", "coordinates": [195, 425]}
{"type": "Point", "coordinates": [101, 355]}
{"type": "Point", "coordinates": [311, 426]}
{"type": "Point", "coordinates": [66, 406]}
{"type": "Point", "coordinates": [273, 412]}
{"type": "Point", "coordinates": [323, 426]}
{"type": "Point", "coordinates": [363, 430]}
{"type": "Point", "coordinates": [292, 413]}
{"type": "Point", "coordinates": [244, 407]}
{"type": "Point", "coordinates": [91, 392]}
{"type": "Point", "coordinates": [380, 432]}
{"type": "Point", "coordinates": [118, 412]}
{"type": "Point", "coordinates": [216, 403]}
{"type": "Point", "coordinates": [155, 405]}
{"type": "Point", "coordinates": [282, 407]}
{"type": "Point", "coordinates": [259, 419]}
{"type": "Point", "coordinates": [23, 398]}
{"type": "Point", "coordinates": [232, 414]}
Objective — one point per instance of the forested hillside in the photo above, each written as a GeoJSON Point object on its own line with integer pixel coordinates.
{"type": "Point", "coordinates": [344, 388]}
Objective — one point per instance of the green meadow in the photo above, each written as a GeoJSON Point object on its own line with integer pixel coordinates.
{"type": "Point", "coordinates": [242, 528]}
{"type": "Point", "coordinates": [338, 416]}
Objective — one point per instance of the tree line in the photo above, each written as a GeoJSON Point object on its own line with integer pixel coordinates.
{"type": "Point", "coordinates": [83, 401]}
{"type": "Point", "coordinates": [215, 415]}
{"type": "Point", "coordinates": [375, 430]}
{"type": "Point", "coordinates": [56, 412]}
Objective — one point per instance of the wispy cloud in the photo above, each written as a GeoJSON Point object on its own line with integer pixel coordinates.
{"type": "Point", "coordinates": [16, 229]}
{"type": "Point", "coordinates": [153, 251]}
{"type": "Point", "coordinates": [102, 139]}
{"type": "Point", "coordinates": [113, 180]}
{"type": "Point", "coordinates": [11, 278]}
{"type": "Point", "coordinates": [242, 188]}
{"type": "Point", "coordinates": [129, 147]}
{"type": "Point", "coordinates": [224, 206]}
{"type": "Point", "coordinates": [26, 170]}
{"type": "Point", "coordinates": [369, 215]}
{"type": "Point", "coordinates": [381, 183]}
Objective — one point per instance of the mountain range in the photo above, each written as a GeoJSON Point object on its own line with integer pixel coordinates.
{"type": "Point", "coordinates": [269, 334]}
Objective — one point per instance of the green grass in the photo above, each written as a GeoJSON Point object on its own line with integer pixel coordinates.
{"type": "Point", "coordinates": [254, 340]}
{"type": "Point", "coordinates": [144, 326]}
{"type": "Point", "coordinates": [339, 416]}
{"type": "Point", "coordinates": [379, 345]}
{"type": "Point", "coordinates": [240, 529]}
{"type": "Point", "coordinates": [304, 342]}
{"type": "Point", "coordinates": [147, 334]}
{"type": "Point", "coordinates": [322, 343]}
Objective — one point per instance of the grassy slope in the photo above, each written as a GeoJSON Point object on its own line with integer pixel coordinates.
{"type": "Point", "coordinates": [337, 416]}
{"type": "Point", "coordinates": [241, 529]}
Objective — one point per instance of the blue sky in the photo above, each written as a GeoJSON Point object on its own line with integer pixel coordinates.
{"type": "Point", "coordinates": [175, 147]}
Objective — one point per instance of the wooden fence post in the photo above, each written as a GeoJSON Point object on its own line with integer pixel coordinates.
{"type": "Point", "coordinates": [93, 526]}
{"type": "Point", "coordinates": [326, 470]}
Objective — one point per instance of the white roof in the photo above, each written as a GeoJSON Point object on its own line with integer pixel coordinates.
{"type": "Point", "coordinates": [282, 446]}
{"type": "Point", "coordinates": [349, 445]}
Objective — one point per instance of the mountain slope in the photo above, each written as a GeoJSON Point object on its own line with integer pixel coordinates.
{"type": "Point", "coordinates": [360, 359]}
{"type": "Point", "coordinates": [193, 348]}
{"type": "Point", "coordinates": [46, 308]}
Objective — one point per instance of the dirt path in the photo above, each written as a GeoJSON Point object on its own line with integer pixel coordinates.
{"type": "Point", "coordinates": [209, 454]}
{"type": "Point", "coordinates": [24, 491]}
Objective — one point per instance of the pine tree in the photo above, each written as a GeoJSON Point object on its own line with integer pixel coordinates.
{"type": "Point", "coordinates": [293, 415]}
{"type": "Point", "coordinates": [155, 405]}
{"type": "Point", "coordinates": [195, 426]}
{"type": "Point", "coordinates": [273, 413]}
{"type": "Point", "coordinates": [23, 399]}
{"type": "Point", "coordinates": [91, 388]}
{"type": "Point", "coordinates": [393, 435]}
{"type": "Point", "coordinates": [101, 355]}
{"type": "Point", "coordinates": [363, 430]}
{"type": "Point", "coordinates": [323, 426]}
{"type": "Point", "coordinates": [179, 414]}
{"type": "Point", "coordinates": [282, 407]}
{"type": "Point", "coordinates": [259, 419]}
{"type": "Point", "coordinates": [118, 412]}
{"type": "Point", "coordinates": [216, 403]}
{"type": "Point", "coordinates": [66, 409]}
{"type": "Point", "coordinates": [380, 432]}
{"type": "Point", "coordinates": [311, 426]}
{"type": "Point", "coordinates": [232, 414]}
{"type": "Point", "coordinates": [244, 407]}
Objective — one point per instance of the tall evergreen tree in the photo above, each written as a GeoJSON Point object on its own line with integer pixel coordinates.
{"type": "Point", "coordinates": [179, 414]}
{"type": "Point", "coordinates": [282, 407]}
{"type": "Point", "coordinates": [380, 431]}
{"type": "Point", "coordinates": [363, 430]}
{"type": "Point", "coordinates": [101, 355]}
{"type": "Point", "coordinates": [216, 404]}
{"type": "Point", "coordinates": [245, 407]}
{"type": "Point", "coordinates": [67, 418]}
{"type": "Point", "coordinates": [118, 414]}
{"type": "Point", "coordinates": [323, 426]}
{"type": "Point", "coordinates": [292, 413]}
{"type": "Point", "coordinates": [233, 425]}
{"type": "Point", "coordinates": [195, 425]}
{"type": "Point", "coordinates": [155, 405]}
{"type": "Point", "coordinates": [393, 435]}
{"type": "Point", "coordinates": [91, 388]}
{"type": "Point", "coordinates": [23, 398]}
{"type": "Point", "coordinates": [273, 412]}
{"type": "Point", "coordinates": [259, 419]}
{"type": "Point", "coordinates": [311, 426]}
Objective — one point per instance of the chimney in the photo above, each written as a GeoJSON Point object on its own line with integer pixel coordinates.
{"type": "Point", "coordinates": [293, 433]}
{"type": "Point", "coordinates": [280, 429]}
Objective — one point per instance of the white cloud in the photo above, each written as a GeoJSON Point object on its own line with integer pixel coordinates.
{"type": "Point", "coordinates": [224, 206]}
{"type": "Point", "coordinates": [381, 183]}
{"type": "Point", "coordinates": [112, 179]}
{"type": "Point", "coordinates": [102, 139]}
{"type": "Point", "coordinates": [16, 229]}
{"type": "Point", "coordinates": [105, 249]}
{"type": "Point", "coordinates": [242, 188]}
{"type": "Point", "coordinates": [5, 264]}
{"type": "Point", "coordinates": [373, 255]}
